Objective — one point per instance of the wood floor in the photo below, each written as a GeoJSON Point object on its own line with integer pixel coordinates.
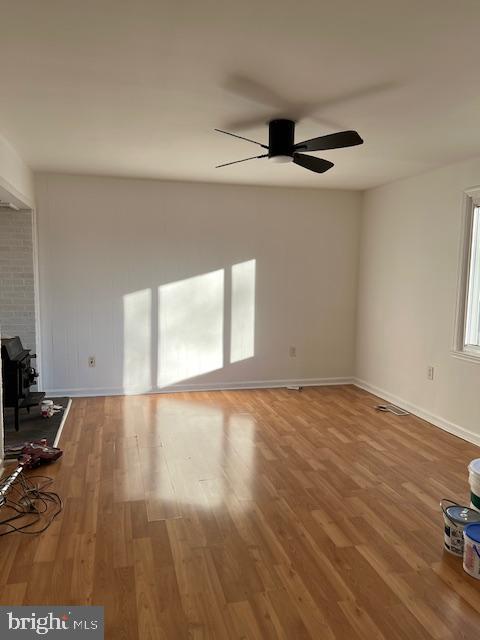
{"type": "Point", "coordinates": [252, 514]}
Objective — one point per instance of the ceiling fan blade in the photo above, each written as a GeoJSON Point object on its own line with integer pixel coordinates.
{"type": "Point", "coordinates": [319, 165]}
{"type": "Point", "coordinates": [241, 137]}
{"type": "Point", "coordinates": [332, 141]}
{"type": "Point", "coordinates": [273, 104]}
{"type": "Point", "coordinates": [253, 90]}
{"type": "Point", "coordinates": [226, 164]}
{"type": "Point", "coordinates": [243, 124]}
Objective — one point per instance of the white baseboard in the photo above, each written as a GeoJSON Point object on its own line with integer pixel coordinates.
{"type": "Point", "coordinates": [212, 386]}
{"type": "Point", "coordinates": [437, 421]}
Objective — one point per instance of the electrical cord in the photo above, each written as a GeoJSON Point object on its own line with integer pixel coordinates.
{"type": "Point", "coordinates": [30, 500]}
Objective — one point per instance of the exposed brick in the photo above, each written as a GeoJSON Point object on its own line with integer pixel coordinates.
{"type": "Point", "coordinates": [17, 298]}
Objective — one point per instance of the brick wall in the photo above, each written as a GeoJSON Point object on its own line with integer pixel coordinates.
{"type": "Point", "coordinates": [17, 300]}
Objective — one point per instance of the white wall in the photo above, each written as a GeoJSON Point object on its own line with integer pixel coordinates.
{"type": "Point", "coordinates": [15, 176]}
{"type": "Point", "coordinates": [410, 244]}
{"type": "Point", "coordinates": [106, 245]}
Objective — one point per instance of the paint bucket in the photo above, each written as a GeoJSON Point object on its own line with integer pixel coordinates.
{"type": "Point", "coordinates": [46, 408]}
{"type": "Point", "coordinates": [474, 480]}
{"type": "Point", "coordinates": [471, 554]}
{"type": "Point", "coordinates": [455, 518]}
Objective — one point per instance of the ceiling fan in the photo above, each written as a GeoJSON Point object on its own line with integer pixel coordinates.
{"type": "Point", "coordinates": [282, 148]}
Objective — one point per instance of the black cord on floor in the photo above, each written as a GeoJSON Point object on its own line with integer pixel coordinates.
{"type": "Point", "coordinates": [28, 499]}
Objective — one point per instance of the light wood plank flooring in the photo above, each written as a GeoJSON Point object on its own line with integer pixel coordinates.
{"type": "Point", "coordinates": [252, 514]}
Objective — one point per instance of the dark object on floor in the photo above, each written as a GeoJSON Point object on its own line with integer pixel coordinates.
{"type": "Point", "coordinates": [33, 454]}
{"type": "Point", "coordinates": [24, 501]}
{"type": "Point", "coordinates": [18, 376]}
{"type": "Point", "coordinates": [32, 427]}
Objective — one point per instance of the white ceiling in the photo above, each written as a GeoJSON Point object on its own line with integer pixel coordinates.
{"type": "Point", "coordinates": [135, 87]}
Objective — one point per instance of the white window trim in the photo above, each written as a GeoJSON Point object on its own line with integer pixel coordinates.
{"type": "Point", "coordinates": [471, 198]}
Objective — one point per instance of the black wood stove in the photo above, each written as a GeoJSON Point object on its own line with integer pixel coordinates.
{"type": "Point", "coordinates": [18, 376]}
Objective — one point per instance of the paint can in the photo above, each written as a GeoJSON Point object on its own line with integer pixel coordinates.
{"type": "Point", "coordinates": [474, 481]}
{"type": "Point", "coordinates": [471, 554]}
{"type": "Point", "coordinates": [455, 518]}
{"type": "Point", "coordinates": [46, 408]}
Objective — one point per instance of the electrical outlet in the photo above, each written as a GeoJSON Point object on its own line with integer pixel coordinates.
{"type": "Point", "coordinates": [91, 361]}
{"type": "Point", "coordinates": [292, 352]}
{"type": "Point", "coordinates": [430, 372]}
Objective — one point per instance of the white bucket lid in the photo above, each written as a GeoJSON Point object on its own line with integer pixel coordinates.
{"type": "Point", "coordinates": [474, 467]}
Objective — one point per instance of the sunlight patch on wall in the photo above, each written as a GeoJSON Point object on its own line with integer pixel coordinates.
{"type": "Point", "coordinates": [137, 340]}
{"type": "Point", "coordinates": [242, 342]}
{"type": "Point", "coordinates": [190, 327]}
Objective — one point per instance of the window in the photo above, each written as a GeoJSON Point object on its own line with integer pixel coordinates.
{"type": "Point", "coordinates": [472, 319]}
{"type": "Point", "coordinates": [468, 320]}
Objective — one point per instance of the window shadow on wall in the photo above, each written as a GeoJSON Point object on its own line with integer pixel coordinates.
{"type": "Point", "coordinates": [188, 328]}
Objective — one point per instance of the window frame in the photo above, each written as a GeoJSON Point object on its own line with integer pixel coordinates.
{"type": "Point", "coordinates": [471, 200]}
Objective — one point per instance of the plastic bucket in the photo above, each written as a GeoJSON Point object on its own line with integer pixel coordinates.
{"type": "Point", "coordinates": [46, 408]}
{"type": "Point", "coordinates": [455, 518]}
{"type": "Point", "coordinates": [471, 554]}
{"type": "Point", "coordinates": [474, 480]}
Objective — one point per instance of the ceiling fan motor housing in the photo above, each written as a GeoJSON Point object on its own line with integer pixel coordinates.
{"type": "Point", "coordinates": [281, 135]}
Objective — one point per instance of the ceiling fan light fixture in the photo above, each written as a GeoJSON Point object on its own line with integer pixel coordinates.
{"type": "Point", "coordinates": [281, 159]}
